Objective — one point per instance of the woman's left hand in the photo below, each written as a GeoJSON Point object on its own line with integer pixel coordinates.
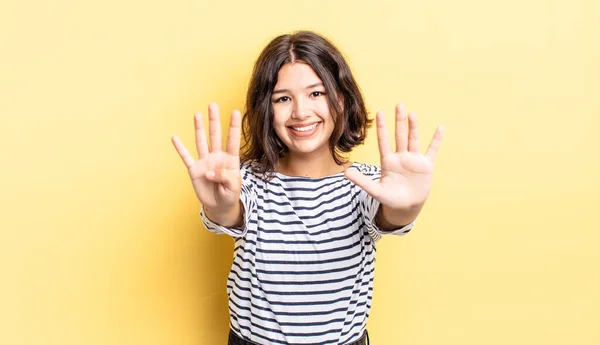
{"type": "Point", "coordinates": [407, 174]}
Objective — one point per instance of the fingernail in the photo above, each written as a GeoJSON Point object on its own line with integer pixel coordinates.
{"type": "Point", "coordinates": [210, 174]}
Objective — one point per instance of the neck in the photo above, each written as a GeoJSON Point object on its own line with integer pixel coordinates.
{"type": "Point", "coordinates": [309, 165]}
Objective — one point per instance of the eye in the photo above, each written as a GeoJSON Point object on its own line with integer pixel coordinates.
{"type": "Point", "coordinates": [317, 93]}
{"type": "Point", "coordinates": [282, 99]}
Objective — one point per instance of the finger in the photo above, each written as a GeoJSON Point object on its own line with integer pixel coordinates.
{"type": "Point", "coordinates": [201, 144]}
{"type": "Point", "coordinates": [364, 182]}
{"type": "Point", "coordinates": [401, 131]}
{"type": "Point", "coordinates": [214, 123]}
{"type": "Point", "coordinates": [229, 178]}
{"type": "Point", "coordinates": [235, 134]}
{"type": "Point", "coordinates": [188, 160]}
{"type": "Point", "coordinates": [414, 144]}
{"type": "Point", "coordinates": [382, 137]}
{"type": "Point", "coordinates": [434, 146]}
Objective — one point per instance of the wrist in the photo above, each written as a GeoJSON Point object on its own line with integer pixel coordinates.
{"type": "Point", "coordinates": [231, 217]}
{"type": "Point", "coordinates": [390, 219]}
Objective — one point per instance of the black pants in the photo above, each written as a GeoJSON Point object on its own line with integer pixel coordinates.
{"type": "Point", "coordinates": [234, 339]}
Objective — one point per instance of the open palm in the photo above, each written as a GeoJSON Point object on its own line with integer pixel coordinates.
{"type": "Point", "coordinates": [407, 174]}
{"type": "Point", "coordinates": [215, 174]}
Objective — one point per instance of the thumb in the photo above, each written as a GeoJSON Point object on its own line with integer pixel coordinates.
{"type": "Point", "coordinates": [229, 178]}
{"type": "Point", "coordinates": [363, 181]}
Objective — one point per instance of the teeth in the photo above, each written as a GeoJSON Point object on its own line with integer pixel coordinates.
{"type": "Point", "coordinates": [305, 129]}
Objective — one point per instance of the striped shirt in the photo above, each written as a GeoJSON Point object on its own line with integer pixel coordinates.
{"type": "Point", "coordinates": [304, 261]}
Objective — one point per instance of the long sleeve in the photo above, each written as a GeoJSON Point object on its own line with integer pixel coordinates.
{"type": "Point", "coordinates": [249, 202]}
{"type": "Point", "coordinates": [370, 206]}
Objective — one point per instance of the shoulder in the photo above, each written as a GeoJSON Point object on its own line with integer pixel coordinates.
{"type": "Point", "coordinates": [366, 169]}
{"type": "Point", "coordinates": [251, 172]}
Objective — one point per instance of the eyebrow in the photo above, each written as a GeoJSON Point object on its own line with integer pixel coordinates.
{"type": "Point", "coordinates": [307, 87]}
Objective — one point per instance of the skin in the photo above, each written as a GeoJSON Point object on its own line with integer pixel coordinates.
{"type": "Point", "coordinates": [406, 174]}
{"type": "Point", "coordinates": [215, 174]}
{"type": "Point", "coordinates": [298, 100]}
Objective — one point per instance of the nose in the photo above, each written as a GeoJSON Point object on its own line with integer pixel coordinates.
{"type": "Point", "coordinates": [299, 112]}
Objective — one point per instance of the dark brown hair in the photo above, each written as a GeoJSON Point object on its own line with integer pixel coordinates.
{"type": "Point", "coordinates": [261, 143]}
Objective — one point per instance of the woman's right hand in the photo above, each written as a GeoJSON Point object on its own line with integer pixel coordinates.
{"type": "Point", "coordinates": [216, 173]}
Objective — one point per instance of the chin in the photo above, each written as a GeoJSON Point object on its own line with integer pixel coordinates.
{"type": "Point", "coordinates": [305, 150]}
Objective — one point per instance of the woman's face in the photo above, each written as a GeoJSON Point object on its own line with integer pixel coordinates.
{"type": "Point", "coordinates": [301, 118]}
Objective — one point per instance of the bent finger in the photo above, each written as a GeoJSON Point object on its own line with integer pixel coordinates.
{"type": "Point", "coordinates": [229, 178]}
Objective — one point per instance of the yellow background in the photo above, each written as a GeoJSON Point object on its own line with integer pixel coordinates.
{"type": "Point", "coordinates": [101, 242]}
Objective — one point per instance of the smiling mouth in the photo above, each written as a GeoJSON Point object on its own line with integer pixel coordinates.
{"type": "Point", "coordinates": [305, 131]}
{"type": "Point", "coordinates": [306, 128]}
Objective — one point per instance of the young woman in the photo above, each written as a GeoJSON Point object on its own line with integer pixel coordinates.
{"type": "Point", "coordinates": [305, 220]}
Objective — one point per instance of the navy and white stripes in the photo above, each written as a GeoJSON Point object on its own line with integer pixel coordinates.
{"type": "Point", "coordinates": [304, 261]}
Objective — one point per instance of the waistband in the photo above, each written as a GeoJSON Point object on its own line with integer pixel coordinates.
{"type": "Point", "coordinates": [235, 339]}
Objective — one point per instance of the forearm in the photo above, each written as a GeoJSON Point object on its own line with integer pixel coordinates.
{"type": "Point", "coordinates": [391, 219]}
{"type": "Point", "coordinates": [232, 218]}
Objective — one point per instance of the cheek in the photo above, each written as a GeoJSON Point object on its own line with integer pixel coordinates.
{"type": "Point", "coordinates": [278, 113]}
{"type": "Point", "coordinates": [281, 115]}
{"type": "Point", "coordinates": [323, 108]}
{"type": "Point", "coordinates": [278, 120]}
{"type": "Point", "coordinates": [278, 125]}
